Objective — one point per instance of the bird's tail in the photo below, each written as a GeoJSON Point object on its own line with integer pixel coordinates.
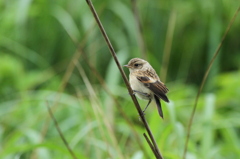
{"type": "Point", "coordinates": [157, 100]}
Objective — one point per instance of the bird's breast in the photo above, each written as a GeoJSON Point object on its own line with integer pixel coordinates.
{"type": "Point", "coordinates": [138, 86]}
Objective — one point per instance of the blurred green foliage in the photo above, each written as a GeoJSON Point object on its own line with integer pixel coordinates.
{"type": "Point", "coordinates": [39, 39]}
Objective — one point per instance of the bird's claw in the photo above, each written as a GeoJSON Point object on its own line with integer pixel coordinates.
{"type": "Point", "coordinates": [134, 93]}
{"type": "Point", "coordinates": [140, 115]}
{"type": "Point", "coordinates": [143, 112]}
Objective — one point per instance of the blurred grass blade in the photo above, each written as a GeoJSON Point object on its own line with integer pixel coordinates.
{"type": "Point", "coordinates": [205, 78]}
{"type": "Point", "coordinates": [22, 11]}
{"type": "Point", "coordinates": [208, 135]}
{"type": "Point", "coordinates": [113, 79]}
{"type": "Point", "coordinates": [24, 52]}
{"type": "Point", "coordinates": [67, 22]}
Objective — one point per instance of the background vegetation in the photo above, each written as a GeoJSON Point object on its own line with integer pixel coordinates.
{"type": "Point", "coordinates": [52, 53]}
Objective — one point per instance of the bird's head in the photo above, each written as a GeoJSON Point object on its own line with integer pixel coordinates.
{"type": "Point", "coordinates": [136, 64]}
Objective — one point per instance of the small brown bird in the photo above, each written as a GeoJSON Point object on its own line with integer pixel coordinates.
{"type": "Point", "coordinates": [145, 83]}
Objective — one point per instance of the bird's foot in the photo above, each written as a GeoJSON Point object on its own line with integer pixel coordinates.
{"type": "Point", "coordinates": [140, 116]}
{"type": "Point", "coordinates": [143, 112]}
{"type": "Point", "coordinates": [134, 93]}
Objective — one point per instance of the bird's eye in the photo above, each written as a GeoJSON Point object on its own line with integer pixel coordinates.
{"type": "Point", "coordinates": [136, 65]}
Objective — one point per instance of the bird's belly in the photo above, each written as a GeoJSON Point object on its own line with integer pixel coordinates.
{"type": "Point", "coordinates": [139, 87]}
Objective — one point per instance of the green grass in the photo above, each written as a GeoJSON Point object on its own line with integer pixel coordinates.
{"type": "Point", "coordinates": [38, 40]}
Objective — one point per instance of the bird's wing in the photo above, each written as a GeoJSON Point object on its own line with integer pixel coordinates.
{"type": "Point", "coordinates": [158, 87]}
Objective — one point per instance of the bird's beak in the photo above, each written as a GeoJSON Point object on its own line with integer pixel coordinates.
{"type": "Point", "coordinates": [127, 66]}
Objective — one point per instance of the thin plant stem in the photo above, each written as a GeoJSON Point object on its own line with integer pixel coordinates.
{"type": "Point", "coordinates": [113, 53]}
{"type": "Point", "coordinates": [66, 77]}
{"type": "Point", "coordinates": [60, 132]}
{"type": "Point", "coordinates": [168, 45]}
{"type": "Point", "coordinates": [64, 81]}
{"type": "Point", "coordinates": [149, 143]}
{"type": "Point", "coordinates": [98, 111]}
{"type": "Point", "coordinates": [204, 80]}
{"type": "Point", "coordinates": [120, 110]}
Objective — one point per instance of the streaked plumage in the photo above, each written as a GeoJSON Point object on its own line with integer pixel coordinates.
{"type": "Point", "coordinates": [146, 83]}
